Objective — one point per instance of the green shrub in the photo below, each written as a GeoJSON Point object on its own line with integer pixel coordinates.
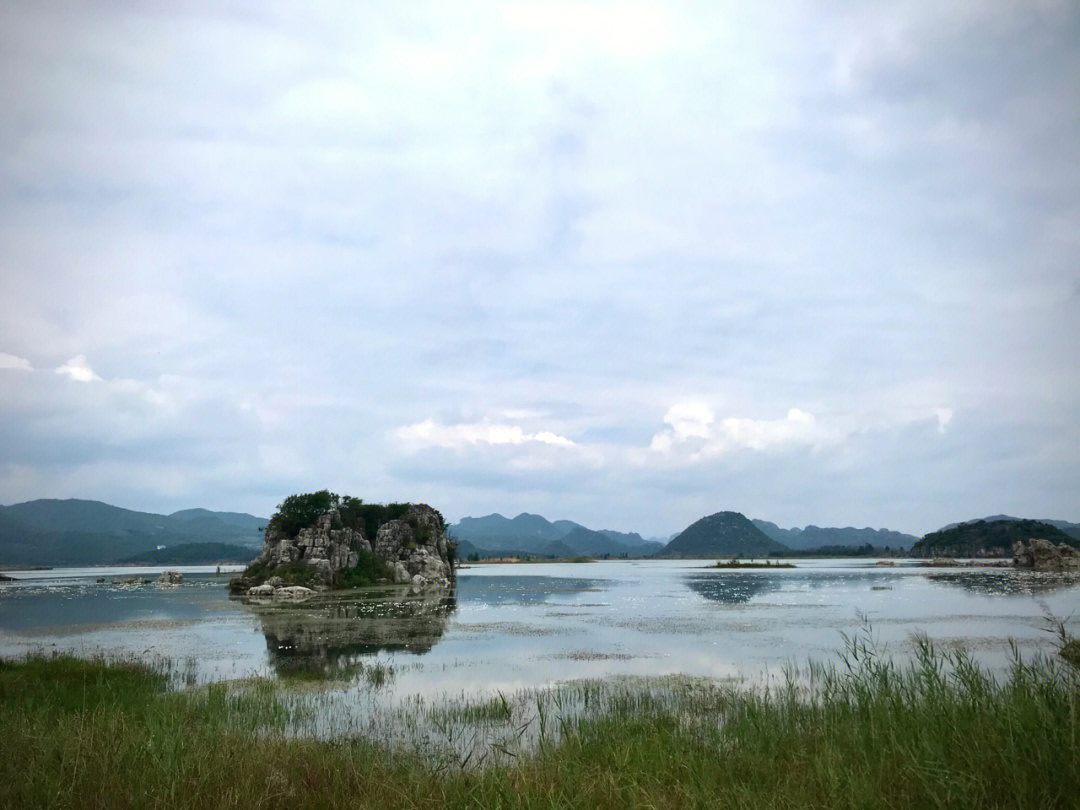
{"type": "Point", "coordinates": [298, 512]}
{"type": "Point", "coordinates": [369, 569]}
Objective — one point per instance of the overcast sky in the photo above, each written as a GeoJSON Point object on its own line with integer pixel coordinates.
{"type": "Point", "coordinates": [626, 263]}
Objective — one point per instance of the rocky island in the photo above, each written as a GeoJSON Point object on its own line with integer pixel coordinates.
{"type": "Point", "coordinates": [321, 540]}
{"type": "Point", "coordinates": [994, 539]}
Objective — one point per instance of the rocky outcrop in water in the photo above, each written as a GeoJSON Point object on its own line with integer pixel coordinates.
{"type": "Point", "coordinates": [171, 578]}
{"type": "Point", "coordinates": [416, 548]}
{"type": "Point", "coordinates": [326, 547]}
{"type": "Point", "coordinates": [412, 549]}
{"type": "Point", "coordinates": [1042, 555]}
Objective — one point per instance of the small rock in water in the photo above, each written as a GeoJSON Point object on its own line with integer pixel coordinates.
{"type": "Point", "coordinates": [293, 592]}
{"type": "Point", "coordinates": [261, 591]}
{"type": "Point", "coordinates": [172, 578]}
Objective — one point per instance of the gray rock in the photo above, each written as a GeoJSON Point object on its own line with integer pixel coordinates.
{"type": "Point", "coordinates": [171, 578]}
{"type": "Point", "coordinates": [414, 546]}
{"type": "Point", "coordinates": [261, 591]}
{"type": "Point", "coordinates": [131, 581]}
{"type": "Point", "coordinates": [1043, 555]}
{"type": "Point", "coordinates": [325, 547]}
{"type": "Point", "coordinates": [293, 593]}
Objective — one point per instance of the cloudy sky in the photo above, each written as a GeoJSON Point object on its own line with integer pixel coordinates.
{"type": "Point", "coordinates": [626, 263]}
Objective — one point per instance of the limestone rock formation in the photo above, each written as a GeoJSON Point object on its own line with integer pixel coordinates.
{"type": "Point", "coordinates": [171, 578]}
{"type": "Point", "coordinates": [327, 547]}
{"type": "Point", "coordinates": [1042, 555]}
{"type": "Point", "coordinates": [414, 550]}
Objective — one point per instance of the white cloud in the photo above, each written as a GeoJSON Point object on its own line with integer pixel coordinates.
{"type": "Point", "coordinates": [11, 361]}
{"type": "Point", "coordinates": [798, 427]}
{"type": "Point", "coordinates": [626, 30]}
{"type": "Point", "coordinates": [689, 419]}
{"type": "Point", "coordinates": [944, 417]}
{"type": "Point", "coordinates": [695, 433]}
{"type": "Point", "coordinates": [78, 369]}
{"type": "Point", "coordinates": [432, 434]}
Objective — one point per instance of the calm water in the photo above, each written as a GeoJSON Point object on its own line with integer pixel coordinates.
{"type": "Point", "coordinates": [512, 627]}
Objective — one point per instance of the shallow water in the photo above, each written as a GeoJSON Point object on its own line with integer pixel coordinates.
{"type": "Point", "coordinates": [507, 628]}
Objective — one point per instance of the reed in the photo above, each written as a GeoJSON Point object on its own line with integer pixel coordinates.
{"type": "Point", "coordinates": [868, 732]}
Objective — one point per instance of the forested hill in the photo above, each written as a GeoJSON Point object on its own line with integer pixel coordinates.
{"type": "Point", "coordinates": [536, 535]}
{"type": "Point", "coordinates": [987, 538]}
{"type": "Point", "coordinates": [814, 537]}
{"type": "Point", "coordinates": [724, 534]}
{"type": "Point", "coordinates": [81, 532]}
{"type": "Point", "coordinates": [1071, 529]}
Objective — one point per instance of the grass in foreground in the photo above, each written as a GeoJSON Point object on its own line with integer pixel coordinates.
{"type": "Point", "coordinates": [937, 733]}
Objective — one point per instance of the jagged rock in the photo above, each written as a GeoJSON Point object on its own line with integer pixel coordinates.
{"type": "Point", "coordinates": [172, 578]}
{"type": "Point", "coordinates": [241, 584]}
{"type": "Point", "coordinates": [1042, 555]}
{"type": "Point", "coordinates": [414, 548]}
{"type": "Point", "coordinates": [261, 591]}
{"type": "Point", "coordinates": [326, 548]}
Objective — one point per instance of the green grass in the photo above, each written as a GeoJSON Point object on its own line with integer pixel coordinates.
{"type": "Point", "coordinates": [868, 733]}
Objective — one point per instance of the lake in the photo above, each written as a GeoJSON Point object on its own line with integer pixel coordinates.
{"type": "Point", "coordinates": [512, 627]}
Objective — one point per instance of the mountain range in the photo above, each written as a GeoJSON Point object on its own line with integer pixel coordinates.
{"type": "Point", "coordinates": [497, 536]}
{"type": "Point", "coordinates": [79, 532]}
{"type": "Point", "coordinates": [813, 537]}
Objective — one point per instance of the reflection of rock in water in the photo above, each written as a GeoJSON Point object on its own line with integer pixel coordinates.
{"type": "Point", "coordinates": [739, 587]}
{"type": "Point", "coordinates": [519, 590]}
{"type": "Point", "coordinates": [1006, 583]}
{"type": "Point", "coordinates": [337, 629]}
{"type": "Point", "coordinates": [734, 589]}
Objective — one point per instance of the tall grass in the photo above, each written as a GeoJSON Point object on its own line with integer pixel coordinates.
{"type": "Point", "coordinates": [937, 732]}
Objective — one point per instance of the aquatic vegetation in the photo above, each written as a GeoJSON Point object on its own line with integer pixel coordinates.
{"type": "Point", "coordinates": [735, 562]}
{"type": "Point", "coordinates": [866, 732]}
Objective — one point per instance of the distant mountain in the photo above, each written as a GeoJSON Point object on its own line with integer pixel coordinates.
{"type": "Point", "coordinates": [593, 544]}
{"type": "Point", "coordinates": [557, 549]}
{"type": "Point", "coordinates": [241, 520]}
{"type": "Point", "coordinates": [982, 538]}
{"type": "Point", "coordinates": [1071, 529]}
{"type": "Point", "coordinates": [194, 554]}
{"type": "Point", "coordinates": [79, 532]}
{"type": "Point", "coordinates": [816, 537]}
{"type": "Point", "coordinates": [496, 535]}
{"type": "Point", "coordinates": [725, 534]}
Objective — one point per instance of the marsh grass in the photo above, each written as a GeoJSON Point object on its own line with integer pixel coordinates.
{"type": "Point", "coordinates": [936, 732]}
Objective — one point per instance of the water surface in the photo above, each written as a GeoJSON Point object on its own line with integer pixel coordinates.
{"type": "Point", "coordinates": [506, 628]}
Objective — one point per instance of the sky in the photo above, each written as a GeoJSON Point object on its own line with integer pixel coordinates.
{"type": "Point", "coordinates": [625, 263]}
